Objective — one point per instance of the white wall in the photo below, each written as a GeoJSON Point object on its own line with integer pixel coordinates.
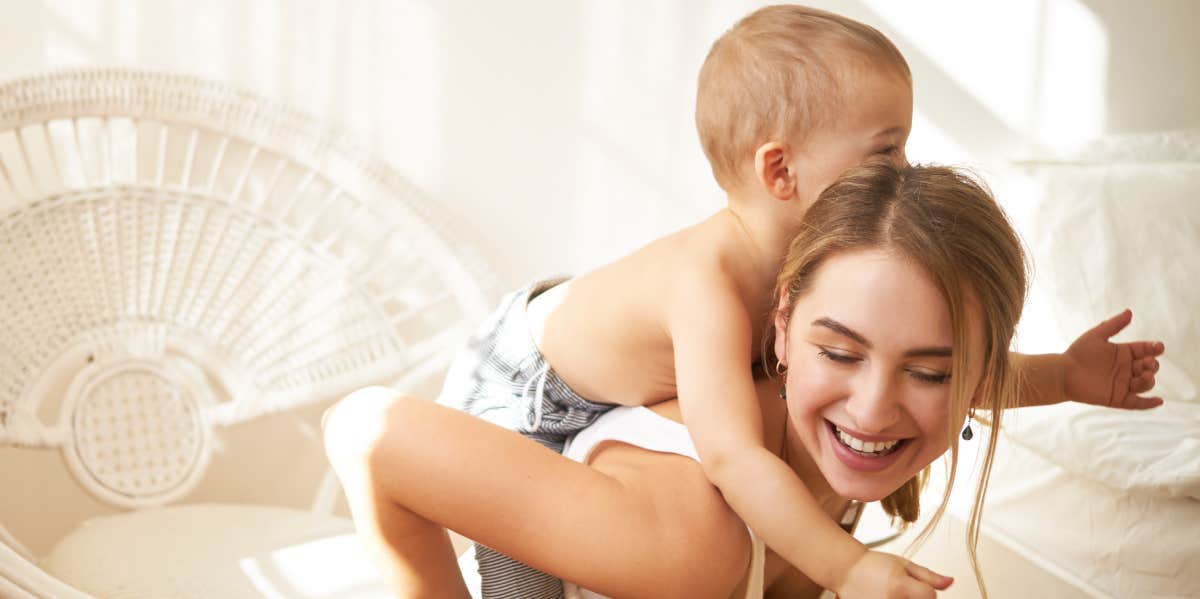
{"type": "Point", "coordinates": [561, 131]}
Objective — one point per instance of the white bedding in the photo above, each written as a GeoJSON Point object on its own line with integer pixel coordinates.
{"type": "Point", "coordinates": [1154, 451]}
{"type": "Point", "coordinates": [1112, 543]}
{"type": "Point", "coordinates": [1108, 498]}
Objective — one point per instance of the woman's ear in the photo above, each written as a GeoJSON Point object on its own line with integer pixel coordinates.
{"type": "Point", "coordinates": [773, 170]}
{"type": "Point", "coordinates": [781, 321]}
{"type": "Point", "coordinates": [977, 396]}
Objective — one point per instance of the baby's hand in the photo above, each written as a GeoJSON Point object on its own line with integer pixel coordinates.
{"type": "Point", "coordinates": [1098, 371]}
{"type": "Point", "coordinates": [883, 575]}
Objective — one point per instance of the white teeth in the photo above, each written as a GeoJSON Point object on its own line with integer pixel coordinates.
{"type": "Point", "coordinates": [864, 446]}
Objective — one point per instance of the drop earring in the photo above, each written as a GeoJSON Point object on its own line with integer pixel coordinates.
{"type": "Point", "coordinates": [967, 432]}
{"type": "Point", "coordinates": [781, 370]}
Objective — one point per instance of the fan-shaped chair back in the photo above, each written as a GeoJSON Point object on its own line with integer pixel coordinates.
{"type": "Point", "coordinates": [176, 256]}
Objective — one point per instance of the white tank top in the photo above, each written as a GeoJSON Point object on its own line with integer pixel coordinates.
{"type": "Point", "coordinates": [641, 427]}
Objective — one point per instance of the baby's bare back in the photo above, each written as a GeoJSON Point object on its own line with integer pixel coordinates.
{"type": "Point", "coordinates": [605, 332]}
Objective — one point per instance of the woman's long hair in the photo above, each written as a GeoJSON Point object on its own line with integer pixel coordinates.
{"type": "Point", "coordinates": [946, 221]}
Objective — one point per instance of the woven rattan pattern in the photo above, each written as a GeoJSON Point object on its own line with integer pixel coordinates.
{"type": "Point", "coordinates": [137, 433]}
{"type": "Point", "coordinates": [158, 218]}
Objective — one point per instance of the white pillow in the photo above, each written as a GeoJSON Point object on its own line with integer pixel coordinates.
{"type": "Point", "coordinates": [1154, 451]}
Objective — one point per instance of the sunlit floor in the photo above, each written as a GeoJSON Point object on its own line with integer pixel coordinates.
{"type": "Point", "coordinates": [1006, 571]}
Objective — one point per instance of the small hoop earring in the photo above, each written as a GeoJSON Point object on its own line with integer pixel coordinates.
{"type": "Point", "coordinates": [967, 433]}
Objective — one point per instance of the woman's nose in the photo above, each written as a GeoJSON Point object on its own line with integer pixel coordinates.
{"type": "Point", "coordinates": [873, 405]}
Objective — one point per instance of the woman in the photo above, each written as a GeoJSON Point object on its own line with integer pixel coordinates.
{"type": "Point", "coordinates": [897, 305]}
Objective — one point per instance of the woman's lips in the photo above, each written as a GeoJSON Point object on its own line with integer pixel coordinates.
{"type": "Point", "coordinates": [857, 461]}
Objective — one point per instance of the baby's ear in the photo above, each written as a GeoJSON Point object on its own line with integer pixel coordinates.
{"type": "Point", "coordinates": [773, 170]}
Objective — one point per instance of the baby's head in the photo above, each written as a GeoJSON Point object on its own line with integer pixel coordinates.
{"type": "Point", "coordinates": [792, 96]}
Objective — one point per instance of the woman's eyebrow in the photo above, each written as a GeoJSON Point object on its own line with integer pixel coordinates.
{"type": "Point", "coordinates": [928, 352]}
{"type": "Point", "coordinates": [845, 331]}
{"type": "Point", "coordinates": [842, 329]}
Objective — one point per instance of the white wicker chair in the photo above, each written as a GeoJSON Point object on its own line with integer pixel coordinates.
{"type": "Point", "coordinates": [177, 258]}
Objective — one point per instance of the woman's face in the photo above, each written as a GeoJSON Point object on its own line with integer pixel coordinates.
{"type": "Point", "coordinates": [867, 351]}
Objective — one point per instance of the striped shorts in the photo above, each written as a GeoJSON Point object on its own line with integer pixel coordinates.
{"type": "Point", "coordinates": [501, 377]}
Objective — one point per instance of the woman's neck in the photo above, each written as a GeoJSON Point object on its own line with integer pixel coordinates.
{"type": "Point", "coordinates": [802, 464]}
{"type": "Point", "coordinates": [783, 440]}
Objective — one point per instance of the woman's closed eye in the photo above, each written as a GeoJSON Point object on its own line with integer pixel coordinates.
{"type": "Point", "coordinates": [937, 378]}
{"type": "Point", "coordinates": [837, 357]}
{"type": "Point", "coordinates": [924, 376]}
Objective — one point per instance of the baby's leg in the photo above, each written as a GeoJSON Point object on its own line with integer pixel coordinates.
{"type": "Point", "coordinates": [414, 555]}
{"type": "Point", "coordinates": [509, 493]}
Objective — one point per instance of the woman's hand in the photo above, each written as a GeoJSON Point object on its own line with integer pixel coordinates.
{"type": "Point", "coordinates": [883, 575]}
{"type": "Point", "coordinates": [1100, 372]}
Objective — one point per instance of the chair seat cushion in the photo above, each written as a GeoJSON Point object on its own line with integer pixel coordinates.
{"type": "Point", "coordinates": [205, 551]}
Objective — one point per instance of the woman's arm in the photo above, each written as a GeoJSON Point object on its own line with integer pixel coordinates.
{"type": "Point", "coordinates": [637, 524]}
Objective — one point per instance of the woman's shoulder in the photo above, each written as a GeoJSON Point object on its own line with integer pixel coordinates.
{"type": "Point", "coordinates": [774, 410]}
{"type": "Point", "coordinates": [690, 520]}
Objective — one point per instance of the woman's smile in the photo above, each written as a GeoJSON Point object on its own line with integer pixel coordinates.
{"type": "Point", "coordinates": [864, 456]}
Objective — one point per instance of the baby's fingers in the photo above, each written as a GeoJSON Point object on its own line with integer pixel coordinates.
{"type": "Point", "coordinates": [1147, 349]}
{"type": "Point", "coordinates": [912, 589]}
{"type": "Point", "coordinates": [1113, 325]}
{"type": "Point", "coordinates": [1145, 365]}
{"type": "Point", "coordinates": [1137, 402]}
{"type": "Point", "coordinates": [928, 576]}
{"type": "Point", "coordinates": [1141, 383]}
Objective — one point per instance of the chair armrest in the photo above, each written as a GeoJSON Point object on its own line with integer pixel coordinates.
{"type": "Point", "coordinates": [23, 579]}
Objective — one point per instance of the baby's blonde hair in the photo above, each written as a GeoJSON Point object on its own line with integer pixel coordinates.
{"type": "Point", "coordinates": [775, 75]}
{"type": "Point", "coordinates": [947, 222]}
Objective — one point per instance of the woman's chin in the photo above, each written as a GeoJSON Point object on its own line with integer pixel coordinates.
{"type": "Point", "coordinates": [863, 491]}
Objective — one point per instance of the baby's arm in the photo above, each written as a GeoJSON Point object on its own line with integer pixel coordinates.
{"type": "Point", "coordinates": [1093, 370]}
{"type": "Point", "coordinates": [712, 338]}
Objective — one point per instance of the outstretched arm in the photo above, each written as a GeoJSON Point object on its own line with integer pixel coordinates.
{"type": "Point", "coordinates": [1094, 370]}
{"type": "Point", "coordinates": [712, 338]}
